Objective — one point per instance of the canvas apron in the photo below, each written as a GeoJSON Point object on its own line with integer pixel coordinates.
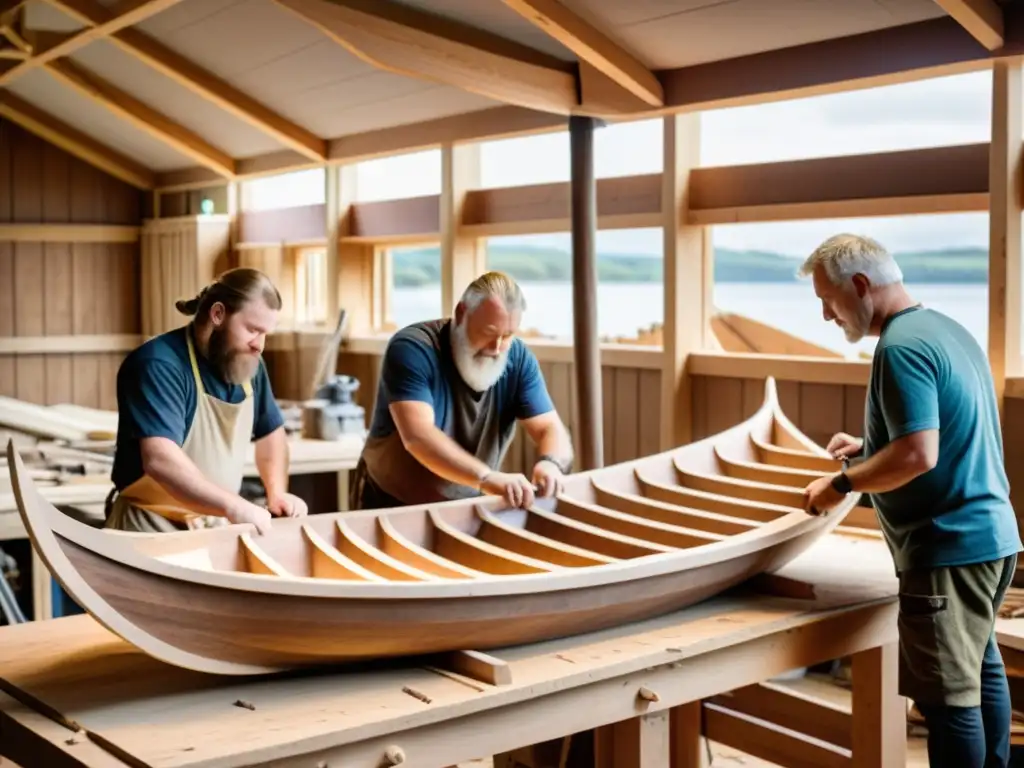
{"type": "Point", "coordinates": [217, 443]}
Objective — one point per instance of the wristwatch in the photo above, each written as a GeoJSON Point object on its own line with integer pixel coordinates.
{"type": "Point", "coordinates": [842, 483]}
{"type": "Point", "coordinates": [554, 460]}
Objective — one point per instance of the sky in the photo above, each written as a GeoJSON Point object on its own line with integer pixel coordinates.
{"type": "Point", "coordinates": [929, 113]}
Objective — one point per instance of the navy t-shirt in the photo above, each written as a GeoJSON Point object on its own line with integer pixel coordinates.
{"type": "Point", "coordinates": [417, 366]}
{"type": "Point", "coordinates": [156, 397]}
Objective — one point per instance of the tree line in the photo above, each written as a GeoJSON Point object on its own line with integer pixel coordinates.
{"type": "Point", "coordinates": [420, 267]}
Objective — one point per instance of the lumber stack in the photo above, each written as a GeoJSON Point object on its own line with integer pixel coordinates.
{"type": "Point", "coordinates": [68, 449]}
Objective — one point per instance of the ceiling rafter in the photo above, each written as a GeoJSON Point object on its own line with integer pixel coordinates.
{"type": "Point", "coordinates": [982, 18]}
{"type": "Point", "coordinates": [143, 116]}
{"type": "Point", "coordinates": [73, 141]}
{"type": "Point", "coordinates": [125, 14]}
{"type": "Point", "coordinates": [593, 47]}
{"type": "Point", "coordinates": [415, 43]}
{"type": "Point", "coordinates": [931, 48]}
{"type": "Point", "coordinates": [199, 80]}
{"type": "Point", "coordinates": [418, 44]}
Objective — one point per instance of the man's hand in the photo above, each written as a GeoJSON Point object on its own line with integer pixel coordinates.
{"type": "Point", "coordinates": [243, 511]}
{"type": "Point", "coordinates": [820, 496]}
{"type": "Point", "coordinates": [843, 446]}
{"type": "Point", "coordinates": [515, 488]}
{"type": "Point", "coordinates": [286, 504]}
{"type": "Point", "coordinates": [547, 478]}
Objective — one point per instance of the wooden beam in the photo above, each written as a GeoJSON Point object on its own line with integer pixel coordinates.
{"type": "Point", "coordinates": [1006, 239]}
{"type": "Point", "coordinates": [592, 46]}
{"type": "Point", "coordinates": [199, 80]}
{"type": "Point", "coordinates": [422, 45]}
{"type": "Point", "coordinates": [142, 116]}
{"type": "Point", "coordinates": [463, 257]}
{"type": "Point", "coordinates": [927, 49]}
{"type": "Point", "coordinates": [982, 18]}
{"type": "Point", "coordinates": [933, 48]}
{"type": "Point", "coordinates": [74, 142]}
{"type": "Point", "coordinates": [124, 13]}
{"type": "Point", "coordinates": [491, 123]}
{"type": "Point", "coordinates": [931, 180]}
{"type": "Point", "coordinates": [70, 345]}
{"type": "Point", "coordinates": [69, 233]}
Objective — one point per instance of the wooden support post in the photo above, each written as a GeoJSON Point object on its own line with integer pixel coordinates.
{"type": "Point", "coordinates": [463, 259]}
{"type": "Point", "coordinates": [640, 742]}
{"type": "Point", "coordinates": [355, 262]}
{"type": "Point", "coordinates": [333, 199]}
{"type": "Point", "coordinates": [586, 350]}
{"type": "Point", "coordinates": [687, 745]}
{"type": "Point", "coordinates": [879, 726]}
{"type": "Point", "coordinates": [688, 278]}
{"type": "Point", "coordinates": [1005, 206]}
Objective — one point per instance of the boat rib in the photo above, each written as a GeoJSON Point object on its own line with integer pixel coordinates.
{"type": "Point", "coordinates": [617, 544]}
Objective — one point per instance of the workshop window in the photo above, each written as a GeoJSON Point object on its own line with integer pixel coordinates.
{"type": "Point", "coordinates": [311, 286]}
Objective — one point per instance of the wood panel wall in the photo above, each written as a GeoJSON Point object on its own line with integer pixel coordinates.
{"type": "Point", "coordinates": [631, 400]}
{"type": "Point", "coordinates": [63, 289]}
{"type": "Point", "coordinates": [819, 410]}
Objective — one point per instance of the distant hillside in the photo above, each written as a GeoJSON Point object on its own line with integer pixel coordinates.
{"type": "Point", "coordinates": [540, 264]}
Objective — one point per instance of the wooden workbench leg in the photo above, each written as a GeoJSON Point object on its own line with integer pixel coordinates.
{"type": "Point", "coordinates": [642, 742]}
{"type": "Point", "coordinates": [686, 742]}
{"type": "Point", "coordinates": [879, 712]}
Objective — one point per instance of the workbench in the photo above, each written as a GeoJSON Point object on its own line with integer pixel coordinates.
{"type": "Point", "coordinates": [306, 457]}
{"type": "Point", "coordinates": [72, 694]}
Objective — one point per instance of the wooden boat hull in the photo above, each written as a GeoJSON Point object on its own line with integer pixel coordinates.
{"type": "Point", "coordinates": [623, 543]}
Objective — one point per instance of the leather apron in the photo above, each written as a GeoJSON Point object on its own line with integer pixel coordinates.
{"type": "Point", "coordinates": [217, 442]}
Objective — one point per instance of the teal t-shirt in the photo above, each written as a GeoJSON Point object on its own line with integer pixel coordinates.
{"type": "Point", "coordinates": [929, 372]}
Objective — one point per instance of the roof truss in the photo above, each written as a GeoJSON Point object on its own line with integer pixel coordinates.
{"type": "Point", "coordinates": [982, 18]}
{"type": "Point", "coordinates": [593, 47]}
{"type": "Point", "coordinates": [74, 141]}
{"type": "Point", "coordinates": [414, 43]}
{"type": "Point", "coordinates": [538, 89]}
{"type": "Point", "coordinates": [198, 80]}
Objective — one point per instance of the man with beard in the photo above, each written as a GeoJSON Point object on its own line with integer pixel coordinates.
{"type": "Point", "coordinates": [450, 394]}
{"type": "Point", "coordinates": [932, 461]}
{"type": "Point", "coordinates": [190, 401]}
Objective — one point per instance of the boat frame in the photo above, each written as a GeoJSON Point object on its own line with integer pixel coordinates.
{"type": "Point", "coordinates": [221, 601]}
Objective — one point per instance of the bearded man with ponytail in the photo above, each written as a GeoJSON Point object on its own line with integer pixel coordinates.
{"type": "Point", "coordinates": [190, 401]}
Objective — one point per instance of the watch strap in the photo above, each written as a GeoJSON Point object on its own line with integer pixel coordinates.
{"type": "Point", "coordinates": [842, 483]}
{"type": "Point", "coordinates": [554, 460]}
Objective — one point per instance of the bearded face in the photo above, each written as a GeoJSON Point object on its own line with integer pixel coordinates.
{"type": "Point", "coordinates": [480, 341]}
{"type": "Point", "coordinates": [236, 341]}
{"type": "Point", "coordinates": [234, 362]}
{"type": "Point", "coordinates": [850, 306]}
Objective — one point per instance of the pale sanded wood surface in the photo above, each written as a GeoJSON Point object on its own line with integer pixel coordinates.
{"type": "Point", "coordinates": [618, 544]}
{"type": "Point", "coordinates": [74, 670]}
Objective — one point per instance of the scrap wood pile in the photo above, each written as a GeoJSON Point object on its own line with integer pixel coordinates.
{"type": "Point", "coordinates": [67, 448]}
